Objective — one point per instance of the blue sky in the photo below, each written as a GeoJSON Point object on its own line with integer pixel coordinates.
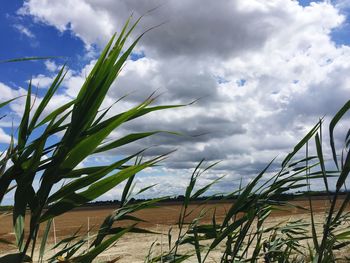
{"type": "Point", "coordinates": [46, 41]}
{"type": "Point", "coordinates": [256, 65]}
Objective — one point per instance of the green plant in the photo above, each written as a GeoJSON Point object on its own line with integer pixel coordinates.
{"type": "Point", "coordinates": [85, 127]}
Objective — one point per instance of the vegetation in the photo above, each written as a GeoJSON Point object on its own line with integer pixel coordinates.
{"type": "Point", "coordinates": [84, 127]}
{"type": "Point", "coordinates": [6, 208]}
{"type": "Point", "coordinates": [242, 233]}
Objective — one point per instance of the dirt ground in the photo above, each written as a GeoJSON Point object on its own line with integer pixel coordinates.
{"type": "Point", "coordinates": [134, 247]}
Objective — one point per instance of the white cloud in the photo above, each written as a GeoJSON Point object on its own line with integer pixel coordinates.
{"type": "Point", "coordinates": [55, 13]}
{"type": "Point", "coordinates": [280, 66]}
{"type": "Point", "coordinates": [51, 66]}
{"type": "Point", "coordinates": [24, 30]}
{"type": "Point", "coordinates": [4, 137]}
{"type": "Point", "coordinates": [8, 93]}
{"type": "Point", "coordinates": [42, 81]}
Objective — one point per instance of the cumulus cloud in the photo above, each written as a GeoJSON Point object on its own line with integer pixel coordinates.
{"type": "Point", "coordinates": [263, 71]}
{"type": "Point", "coordinates": [51, 66]}
{"type": "Point", "coordinates": [42, 81]}
{"type": "Point", "coordinates": [81, 11]}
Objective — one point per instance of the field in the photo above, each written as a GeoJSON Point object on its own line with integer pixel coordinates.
{"type": "Point", "coordinates": [135, 246]}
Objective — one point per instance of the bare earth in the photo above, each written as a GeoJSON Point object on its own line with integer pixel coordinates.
{"type": "Point", "coordinates": [134, 247]}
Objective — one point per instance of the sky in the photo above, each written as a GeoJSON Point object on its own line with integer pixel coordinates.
{"type": "Point", "coordinates": [264, 73]}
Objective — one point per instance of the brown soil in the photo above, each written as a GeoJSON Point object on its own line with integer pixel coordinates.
{"type": "Point", "coordinates": [164, 214]}
{"type": "Point", "coordinates": [159, 219]}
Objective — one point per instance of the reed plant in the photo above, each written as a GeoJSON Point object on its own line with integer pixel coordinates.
{"type": "Point", "coordinates": [85, 128]}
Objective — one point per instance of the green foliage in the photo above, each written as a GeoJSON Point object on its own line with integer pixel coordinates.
{"type": "Point", "coordinates": [85, 128]}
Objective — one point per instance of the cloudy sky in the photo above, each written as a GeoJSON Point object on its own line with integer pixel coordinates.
{"type": "Point", "coordinates": [264, 71]}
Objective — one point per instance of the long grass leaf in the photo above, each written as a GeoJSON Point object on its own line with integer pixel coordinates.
{"type": "Point", "coordinates": [92, 254]}
{"type": "Point", "coordinates": [49, 94]}
{"type": "Point", "coordinates": [44, 241]}
{"type": "Point", "coordinates": [80, 183]}
{"type": "Point", "coordinates": [126, 140]}
{"type": "Point", "coordinates": [344, 173]}
{"type": "Point", "coordinates": [55, 113]}
{"type": "Point", "coordinates": [94, 190]}
{"type": "Point", "coordinates": [27, 59]}
{"type": "Point", "coordinates": [3, 104]}
{"type": "Point", "coordinates": [301, 144]}
{"type": "Point", "coordinates": [23, 127]}
{"type": "Point", "coordinates": [332, 125]}
{"type": "Point", "coordinates": [89, 144]}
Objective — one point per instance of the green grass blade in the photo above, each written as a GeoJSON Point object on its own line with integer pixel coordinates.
{"type": "Point", "coordinates": [125, 140]}
{"type": "Point", "coordinates": [44, 241]}
{"type": "Point", "coordinates": [95, 190]}
{"type": "Point", "coordinates": [3, 104]}
{"type": "Point", "coordinates": [50, 92]}
{"type": "Point", "coordinates": [92, 254]}
{"type": "Point", "coordinates": [140, 113]}
{"type": "Point", "coordinates": [27, 59]}
{"type": "Point", "coordinates": [55, 113]}
{"type": "Point", "coordinates": [321, 160]}
{"type": "Point", "coordinates": [84, 171]}
{"type": "Point", "coordinates": [301, 144]}
{"type": "Point", "coordinates": [242, 200]}
{"type": "Point", "coordinates": [87, 180]}
{"type": "Point", "coordinates": [23, 127]}
{"type": "Point", "coordinates": [19, 231]}
{"type": "Point", "coordinates": [228, 230]}
{"type": "Point", "coordinates": [332, 125]}
{"type": "Point", "coordinates": [205, 188]}
{"type": "Point", "coordinates": [89, 144]}
{"type": "Point", "coordinates": [196, 245]}
{"type": "Point", "coordinates": [344, 173]}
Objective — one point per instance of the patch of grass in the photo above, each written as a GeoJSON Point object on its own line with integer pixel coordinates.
{"type": "Point", "coordinates": [6, 208]}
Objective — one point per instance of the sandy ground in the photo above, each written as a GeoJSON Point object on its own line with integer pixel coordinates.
{"type": "Point", "coordinates": [134, 247]}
